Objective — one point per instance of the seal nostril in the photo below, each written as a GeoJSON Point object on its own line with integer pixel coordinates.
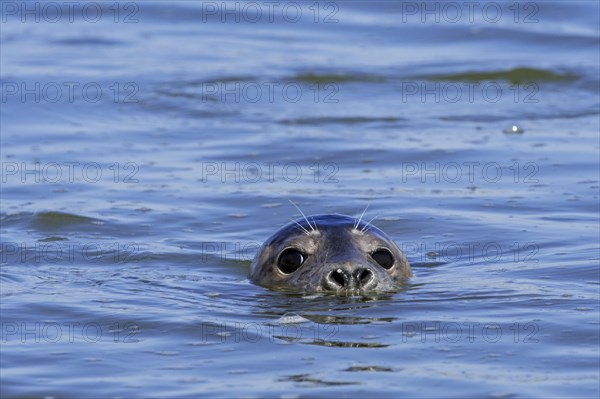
{"type": "Point", "coordinates": [364, 277]}
{"type": "Point", "coordinates": [338, 277]}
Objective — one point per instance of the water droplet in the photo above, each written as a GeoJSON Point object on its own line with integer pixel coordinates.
{"type": "Point", "coordinates": [514, 129]}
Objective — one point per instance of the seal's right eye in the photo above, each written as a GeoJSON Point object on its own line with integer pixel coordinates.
{"type": "Point", "coordinates": [290, 260]}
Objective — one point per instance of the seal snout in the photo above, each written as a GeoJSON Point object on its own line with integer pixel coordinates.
{"type": "Point", "coordinates": [359, 278]}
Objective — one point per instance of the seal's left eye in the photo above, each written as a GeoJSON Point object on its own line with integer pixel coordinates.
{"type": "Point", "coordinates": [290, 260]}
{"type": "Point", "coordinates": [384, 258]}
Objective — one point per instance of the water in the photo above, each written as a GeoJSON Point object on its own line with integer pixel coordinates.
{"type": "Point", "coordinates": [148, 150]}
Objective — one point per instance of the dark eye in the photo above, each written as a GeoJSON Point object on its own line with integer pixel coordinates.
{"type": "Point", "coordinates": [384, 258]}
{"type": "Point", "coordinates": [290, 260]}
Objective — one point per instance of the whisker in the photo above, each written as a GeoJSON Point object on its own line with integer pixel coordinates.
{"type": "Point", "coordinates": [302, 227]}
{"type": "Point", "coordinates": [305, 218]}
{"type": "Point", "coordinates": [368, 224]}
{"type": "Point", "coordinates": [360, 218]}
{"type": "Point", "coordinates": [313, 219]}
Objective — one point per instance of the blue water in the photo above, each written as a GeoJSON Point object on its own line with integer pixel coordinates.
{"type": "Point", "coordinates": [148, 148]}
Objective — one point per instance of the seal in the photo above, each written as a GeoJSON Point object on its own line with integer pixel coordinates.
{"type": "Point", "coordinates": [335, 253]}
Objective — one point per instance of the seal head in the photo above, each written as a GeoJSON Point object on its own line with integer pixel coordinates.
{"type": "Point", "coordinates": [330, 253]}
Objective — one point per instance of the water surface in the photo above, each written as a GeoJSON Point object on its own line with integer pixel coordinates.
{"type": "Point", "coordinates": [133, 204]}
